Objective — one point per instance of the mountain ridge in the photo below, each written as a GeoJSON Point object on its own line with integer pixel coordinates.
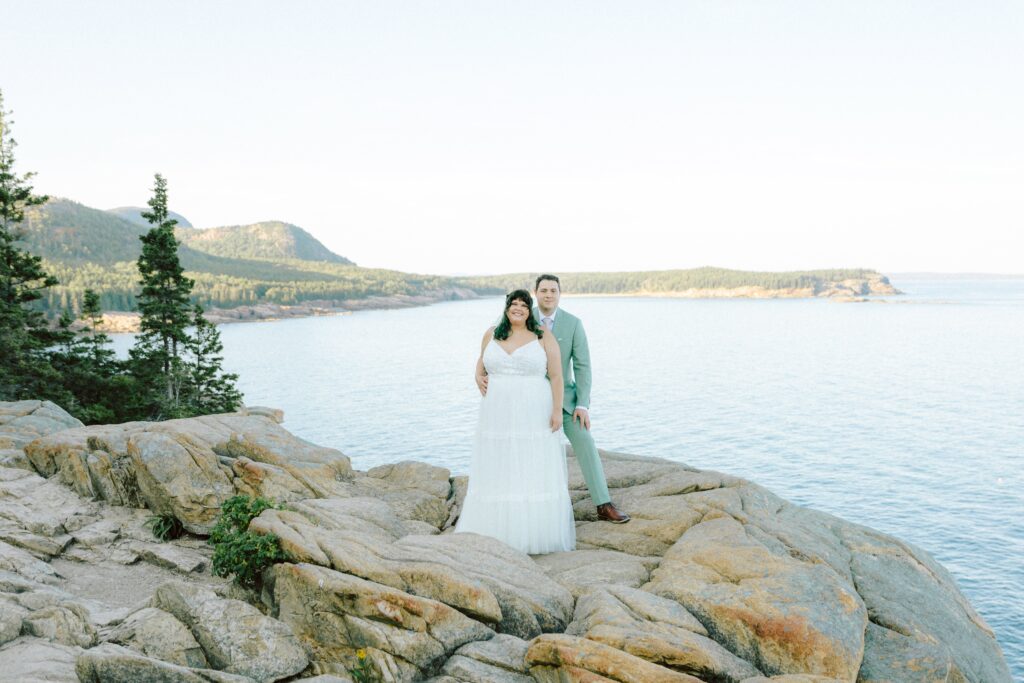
{"type": "Point", "coordinates": [133, 214]}
{"type": "Point", "coordinates": [279, 263]}
{"type": "Point", "coordinates": [265, 239]}
{"type": "Point", "coordinates": [69, 231]}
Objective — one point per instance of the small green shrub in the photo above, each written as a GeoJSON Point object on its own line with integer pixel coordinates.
{"type": "Point", "coordinates": [166, 527]}
{"type": "Point", "coordinates": [236, 550]}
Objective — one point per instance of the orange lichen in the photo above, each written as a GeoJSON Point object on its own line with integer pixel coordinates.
{"type": "Point", "coordinates": [792, 634]}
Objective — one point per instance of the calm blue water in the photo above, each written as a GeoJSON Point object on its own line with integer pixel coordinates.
{"type": "Point", "coordinates": [906, 415]}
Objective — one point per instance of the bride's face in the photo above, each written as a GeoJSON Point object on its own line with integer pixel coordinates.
{"type": "Point", "coordinates": [517, 312]}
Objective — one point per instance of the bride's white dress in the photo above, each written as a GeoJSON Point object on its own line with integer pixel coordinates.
{"type": "Point", "coordinates": [518, 482]}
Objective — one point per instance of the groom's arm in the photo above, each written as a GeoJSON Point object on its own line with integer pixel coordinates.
{"type": "Point", "coordinates": [581, 366]}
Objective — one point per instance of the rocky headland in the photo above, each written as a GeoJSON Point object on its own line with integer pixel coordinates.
{"type": "Point", "coordinates": [716, 579]}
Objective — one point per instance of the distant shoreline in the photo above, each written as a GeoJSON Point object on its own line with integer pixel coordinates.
{"type": "Point", "coordinates": [126, 322]}
{"type": "Point", "coordinates": [733, 293]}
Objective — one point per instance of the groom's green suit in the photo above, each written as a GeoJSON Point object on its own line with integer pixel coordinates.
{"type": "Point", "coordinates": [572, 341]}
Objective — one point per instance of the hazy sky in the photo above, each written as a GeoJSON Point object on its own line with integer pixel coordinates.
{"type": "Point", "coordinates": [481, 137]}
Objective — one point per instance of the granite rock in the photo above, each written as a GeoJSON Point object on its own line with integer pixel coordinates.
{"type": "Point", "coordinates": [110, 663]}
{"type": "Point", "coordinates": [234, 635]}
{"type": "Point", "coordinates": [159, 635]}
{"type": "Point", "coordinates": [556, 657]}
{"type": "Point", "coordinates": [188, 467]}
{"type": "Point", "coordinates": [34, 660]}
{"type": "Point", "coordinates": [336, 614]}
{"type": "Point", "coordinates": [714, 579]}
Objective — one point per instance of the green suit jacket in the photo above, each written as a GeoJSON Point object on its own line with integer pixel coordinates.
{"type": "Point", "coordinates": [572, 341]}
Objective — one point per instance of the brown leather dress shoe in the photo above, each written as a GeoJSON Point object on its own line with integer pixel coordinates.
{"type": "Point", "coordinates": [609, 513]}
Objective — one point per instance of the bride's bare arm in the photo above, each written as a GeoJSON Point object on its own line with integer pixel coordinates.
{"type": "Point", "coordinates": [481, 371]}
{"type": "Point", "coordinates": [554, 354]}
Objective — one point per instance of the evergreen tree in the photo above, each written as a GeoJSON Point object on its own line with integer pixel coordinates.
{"type": "Point", "coordinates": [66, 359]}
{"type": "Point", "coordinates": [164, 306]}
{"type": "Point", "coordinates": [99, 388]}
{"type": "Point", "coordinates": [91, 309]}
{"type": "Point", "coordinates": [25, 337]}
{"type": "Point", "coordinates": [101, 359]}
{"type": "Point", "coordinates": [210, 389]}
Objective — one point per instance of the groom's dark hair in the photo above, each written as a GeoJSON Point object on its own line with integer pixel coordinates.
{"type": "Point", "coordinates": [547, 276]}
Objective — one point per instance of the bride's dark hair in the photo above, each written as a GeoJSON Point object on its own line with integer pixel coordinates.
{"type": "Point", "coordinates": [505, 326]}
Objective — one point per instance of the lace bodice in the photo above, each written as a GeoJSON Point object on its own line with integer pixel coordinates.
{"type": "Point", "coordinates": [528, 360]}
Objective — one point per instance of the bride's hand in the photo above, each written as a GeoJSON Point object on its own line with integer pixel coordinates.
{"type": "Point", "coordinates": [556, 420]}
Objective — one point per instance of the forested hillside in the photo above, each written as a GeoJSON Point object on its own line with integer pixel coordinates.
{"type": "Point", "coordinates": [226, 283]}
{"type": "Point", "coordinates": [669, 281]}
{"type": "Point", "coordinates": [267, 240]}
{"type": "Point", "coordinates": [267, 262]}
{"type": "Point", "coordinates": [63, 230]}
{"type": "Point", "coordinates": [276, 262]}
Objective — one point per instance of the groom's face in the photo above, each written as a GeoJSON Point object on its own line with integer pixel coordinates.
{"type": "Point", "coordinates": [548, 293]}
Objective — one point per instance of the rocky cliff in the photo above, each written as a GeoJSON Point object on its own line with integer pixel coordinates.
{"type": "Point", "coordinates": [715, 579]}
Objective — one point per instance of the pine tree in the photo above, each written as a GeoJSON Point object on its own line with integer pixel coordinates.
{"type": "Point", "coordinates": [209, 388]}
{"type": "Point", "coordinates": [91, 309]}
{"type": "Point", "coordinates": [102, 359]}
{"type": "Point", "coordinates": [164, 306]}
{"type": "Point", "coordinates": [91, 372]}
{"type": "Point", "coordinates": [25, 337]}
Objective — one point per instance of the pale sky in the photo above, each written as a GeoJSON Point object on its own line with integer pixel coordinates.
{"type": "Point", "coordinates": [486, 137]}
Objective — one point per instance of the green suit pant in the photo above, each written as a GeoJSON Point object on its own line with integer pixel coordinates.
{"type": "Point", "coordinates": [586, 455]}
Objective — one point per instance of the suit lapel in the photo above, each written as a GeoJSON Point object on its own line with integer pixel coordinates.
{"type": "Point", "coordinates": [560, 329]}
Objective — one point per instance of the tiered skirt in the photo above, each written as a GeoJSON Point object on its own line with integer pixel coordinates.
{"type": "Point", "coordinates": [518, 483]}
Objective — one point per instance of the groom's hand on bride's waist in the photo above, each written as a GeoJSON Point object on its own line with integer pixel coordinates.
{"type": "Point", "coordinates": [583, 415]}
{"type": "Point", "coordinates": [481, 384]}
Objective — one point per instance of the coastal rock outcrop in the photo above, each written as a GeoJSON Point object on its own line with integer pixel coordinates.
{"type": "Point", "coordinates": [657, 630]}
{"type": "Point", "coordinates": [24, 421]}
{"type": "Point", "coordinates": [188, 467]}
{"type": "Point", "coordinates": [778, 612]}
{"type": "Point", "coordinates": [159, 635]}
{"type": "Point", "coordinates": [336, 614]}
{"type": "Point", "coordinates": [477, 575]}
{"type": "Point", "coordinates": [235, 636]}
{"type": "Point", "coordinates": [715, 579]}
{"type": "Point", "coordinates": [111, 663]}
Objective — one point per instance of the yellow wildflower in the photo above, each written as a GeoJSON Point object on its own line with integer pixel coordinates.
{"type": "Point", "coordinates": [361, 654]}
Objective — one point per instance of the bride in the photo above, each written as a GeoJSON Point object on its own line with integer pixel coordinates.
{"type": "Point", "coordinates": [518, 490]}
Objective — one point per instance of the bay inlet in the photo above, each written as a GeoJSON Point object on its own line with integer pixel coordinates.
{"type": "Point", "coordinates": [905, 413]}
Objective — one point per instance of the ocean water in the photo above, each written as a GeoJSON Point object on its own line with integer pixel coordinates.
{"type": "Point", "coordinates": [903, 413]}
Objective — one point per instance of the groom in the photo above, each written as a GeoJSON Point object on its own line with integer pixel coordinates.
{"type": "Point", "coordinates": [572, 341]}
